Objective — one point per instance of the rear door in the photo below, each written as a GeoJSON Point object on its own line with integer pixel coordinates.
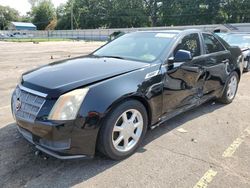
{"type": "Point", "coordinates": [216, 65]}
{"type": "Point", "coordinates": [183, 81]}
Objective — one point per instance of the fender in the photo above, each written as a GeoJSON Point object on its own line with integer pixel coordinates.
{"type": "Point", "coordinates": [133, 84]}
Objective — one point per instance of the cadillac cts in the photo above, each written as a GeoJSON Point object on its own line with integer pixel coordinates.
{"type": "Point", "coordinates": [107, 100]}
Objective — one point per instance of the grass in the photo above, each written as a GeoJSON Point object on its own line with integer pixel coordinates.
{"type": "Point", "coordinates": [36, 40]}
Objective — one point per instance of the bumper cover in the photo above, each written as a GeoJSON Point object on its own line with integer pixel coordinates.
{"type": "Point", "coordinates": [61, 140]}
{"type": "Point", "coordinates": [28, 137]}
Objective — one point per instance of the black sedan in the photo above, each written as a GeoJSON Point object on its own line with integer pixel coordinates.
{"type": "Point", "coordinates": [107, 100]}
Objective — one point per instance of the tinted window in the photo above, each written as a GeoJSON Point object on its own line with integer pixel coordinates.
{"type": "Point", "coordinates": [190, 43]}
{"type": "Point", "coordinates": [212, 44]}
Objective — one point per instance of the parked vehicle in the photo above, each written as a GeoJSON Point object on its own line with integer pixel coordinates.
{"type": "Point", "coordinates": [115, 35]}
{"type": "Point", "coordinates": [107, 100]}
{"type": "Point", "coordinates": [243, 41]}
{"type": "Point", "coordinates": [17, 35]}
{"type": "Point", "coordinates": [2, 36]}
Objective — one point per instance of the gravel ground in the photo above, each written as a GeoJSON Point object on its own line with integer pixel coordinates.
{"type": "Point", "coordinates": [177, 154]}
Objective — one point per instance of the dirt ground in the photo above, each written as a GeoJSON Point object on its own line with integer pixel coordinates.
{"type": "Point", "coordinates": [207, 146]}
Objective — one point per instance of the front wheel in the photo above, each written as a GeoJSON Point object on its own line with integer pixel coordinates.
{"type": "Point", "coordinates": [123, 130]}
{"type": "Point", "coordinates": [230, 89]}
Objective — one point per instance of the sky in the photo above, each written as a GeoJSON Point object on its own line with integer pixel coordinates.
{"type": "Point", "coordinates": [23, 6]}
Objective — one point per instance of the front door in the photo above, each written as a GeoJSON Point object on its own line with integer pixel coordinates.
{"type": "Point", "coordinates": [183, 81]}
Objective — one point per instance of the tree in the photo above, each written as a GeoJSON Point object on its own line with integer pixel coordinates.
{"type": "Point", "coordinates": [7, 15]}
{"type": "Point", "coordinates": [153, 11]}
{"type": "Point", "coordinates": [43, 13]}
{"type": "Point", "coordinates": [63, 17]}
{"type": "Point", "coordinates": [139, 13]}
{"type": "Point", "coordinates": [102, 13]}
{"type": "Point", "coordinates": [237, 11]}
{"type": "Point", "coordinates": [129, 13]}
{"type": "Point", "coordinates": [190, 12]}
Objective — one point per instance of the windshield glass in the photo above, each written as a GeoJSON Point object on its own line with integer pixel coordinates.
{"type": "Point", "coordinates": [238, 40]}
{"type": "Point", "coordinates": [141, 46]}
{"type": "Point", "coordinates": [222, 35]}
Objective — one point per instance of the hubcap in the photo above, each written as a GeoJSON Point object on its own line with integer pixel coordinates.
{"type": "Point", "coordinates": [232, 87]}
{"type": "Point", "coordinates": [127, 130]}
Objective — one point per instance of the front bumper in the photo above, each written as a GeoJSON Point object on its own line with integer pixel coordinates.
{"type": "Point", "coordinates": [28, 136]}
{"type": "Point", "coordinates": [57, 140]}
{"type": "Point", "coordinates": [61, 139]}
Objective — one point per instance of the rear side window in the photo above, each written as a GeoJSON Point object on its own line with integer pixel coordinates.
{"type": "Point", "coordinates": [190, 43]}
{"type": "Point", "coordinates": [212, 44]}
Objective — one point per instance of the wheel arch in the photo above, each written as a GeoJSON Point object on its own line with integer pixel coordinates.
{"type": "Point", "coordinates": [237, 70]}
{"type": "Point", "coordinates": [116, 103]}
{"type": "Point", "coordinates": [141, 99]}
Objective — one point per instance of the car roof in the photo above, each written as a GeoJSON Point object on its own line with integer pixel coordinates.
{"type": "Point", "coordinates": [238, 33]}
{"type": "Point", "coordinates": [234, 33]}
{"type": "Point", "coordinates": [172, 31]}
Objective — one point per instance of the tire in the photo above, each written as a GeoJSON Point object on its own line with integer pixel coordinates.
{"type": "Point", "coordinates": [117, 125]}
{"type": "Point", "coordinates": [230, 89]}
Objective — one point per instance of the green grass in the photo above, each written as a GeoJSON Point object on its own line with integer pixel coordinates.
{"type": "Point", "coordinates": [36, 40]}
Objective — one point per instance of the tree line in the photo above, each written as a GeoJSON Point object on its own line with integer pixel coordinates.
{"type": "Point", "coordinates": [91, 14]}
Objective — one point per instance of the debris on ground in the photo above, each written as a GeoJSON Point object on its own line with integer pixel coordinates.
{"type": "Point", "coordinates": [194, 140]}
{"type": "Point", "coordinates": [181, 130]}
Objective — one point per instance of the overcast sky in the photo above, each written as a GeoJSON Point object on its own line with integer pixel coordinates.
{"type": "Point", "coordinates": [23, 6]}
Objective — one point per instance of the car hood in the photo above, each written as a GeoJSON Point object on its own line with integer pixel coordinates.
{"type": "Point", "coordinates": [244, 49]}
{"type": "Point", "coordinates": [62, 76]}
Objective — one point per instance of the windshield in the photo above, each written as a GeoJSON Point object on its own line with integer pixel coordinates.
{"type": "Point", "coordinates": [238, 40]}
{"type": "Point", "coordinates": [222, 35]}
{"type": "Point", "coordinates": [141, 46]}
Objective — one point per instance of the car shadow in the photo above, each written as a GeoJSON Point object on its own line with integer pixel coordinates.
{"type": "Point", "coordinates": [19, 166]}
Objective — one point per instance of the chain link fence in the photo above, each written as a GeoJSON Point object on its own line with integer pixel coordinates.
{"type": "Point", "coordinates": [102, 34]}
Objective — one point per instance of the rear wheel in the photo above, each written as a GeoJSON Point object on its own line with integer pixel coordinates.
{"type": "Point", "coordinates": [231, 89]}
{"type": "Point", "coordinates": [123, 130]}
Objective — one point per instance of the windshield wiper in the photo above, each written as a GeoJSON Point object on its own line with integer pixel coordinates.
{"type": "Point", "coordinates": [111, 56]}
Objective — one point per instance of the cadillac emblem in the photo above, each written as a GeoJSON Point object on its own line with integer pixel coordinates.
{"type": "Point", "coordinates": [18, 104]}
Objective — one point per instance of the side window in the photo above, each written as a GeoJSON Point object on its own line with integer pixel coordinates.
{"type": "Point", "coordinates": [212, 44]}
{"type": "Point", "coordinates": [190, 43]}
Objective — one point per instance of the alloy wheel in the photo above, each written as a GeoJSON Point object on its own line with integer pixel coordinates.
{"type": "Point", "coordinates": [127, 130]}
{"type": "Point", "coordinates": [232, 87]}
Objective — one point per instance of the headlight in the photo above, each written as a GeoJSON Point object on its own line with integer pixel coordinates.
{"type": "Point", "coordinates": [67, 106]}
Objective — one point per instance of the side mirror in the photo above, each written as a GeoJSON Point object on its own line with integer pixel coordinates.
{"type": "Point", "coordinates": [183, 56]}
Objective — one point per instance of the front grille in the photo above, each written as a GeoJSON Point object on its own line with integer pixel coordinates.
{"type": "Point", "coordinates": [26, 105]}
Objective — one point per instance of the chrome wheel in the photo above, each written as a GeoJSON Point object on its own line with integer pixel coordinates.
{"type": "Point", "coordinates": [127, 130]}
{"type": "Point", "coordinates": [232, 87]}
